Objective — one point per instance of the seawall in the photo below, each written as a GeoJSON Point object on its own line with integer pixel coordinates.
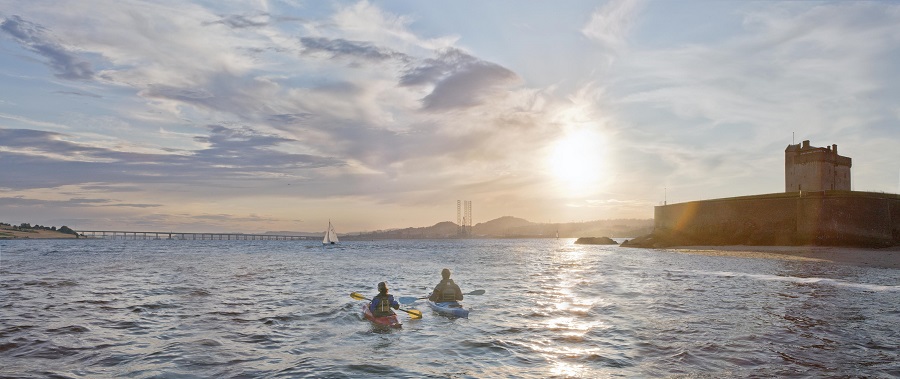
{"type": "Point", "coordinates": [824, 218]}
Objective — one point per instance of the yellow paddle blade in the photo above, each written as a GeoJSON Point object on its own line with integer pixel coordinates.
{"type": "Point", "coordinates": [414, 313]}
{"type": "Point", "coordinates": [358, 296]}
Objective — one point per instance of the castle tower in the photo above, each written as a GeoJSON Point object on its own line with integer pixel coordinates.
{"type": "Point", "coordinates": [808, 168]}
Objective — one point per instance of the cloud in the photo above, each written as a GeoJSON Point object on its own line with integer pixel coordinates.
{"type": "Point", "coordinates": [253, 21]}
{"type": "Point", "coordinates": [40, 159]}
{"type": "Point", "coordinates": [459, 79]}
{"type": "Point", "coordinates": [341, 48]}
{"type": "Point", "coordinates": [363, 21]}
{"type": "Point", "coordinates": [33, 37]}
{"type": "Point", "coordinates": [187, 95]}
{"type": "Point", "coordinates": [241, 21]}
{"type": "Point", "coordinates": [29, 121]}
{"type": "Point", "coordinates": [744, 80]}
{"type": "Point", "coordinates": [246, 148]}
{"type": "Point", "coordinates": [79, 93]}
{"type": "Point", "coordinates": [611, 23]}
{"type": "Point", "coordinates": [22, 201]}
{"type": "Point", "coordinates": [289, 118]}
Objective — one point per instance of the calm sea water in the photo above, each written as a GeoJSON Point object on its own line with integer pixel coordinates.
{"type": "Point", "coordinates": [269, 309]}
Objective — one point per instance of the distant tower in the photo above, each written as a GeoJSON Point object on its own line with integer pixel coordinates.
{"type": "Point", "coordinates": [468, 220]}
{"type": "Point", "coordinates": [459, 225]}
{"type": "Point", "coordinates": [464, 217]}
{"type": "Point", "coordinates": [808, 168]}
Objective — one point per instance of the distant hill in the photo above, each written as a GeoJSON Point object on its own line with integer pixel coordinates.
{"type": "Point", "coordinates": [513, 227]}
{"type": "Point", "coordinates": [517, 227]}
{"type": "Point", "coordinates": [440, 230]}
{"type": "Point", "coordinates": [501, 226]}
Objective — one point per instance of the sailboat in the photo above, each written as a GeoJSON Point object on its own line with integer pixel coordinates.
{"type": "Point", "coordinates": [331, 237]}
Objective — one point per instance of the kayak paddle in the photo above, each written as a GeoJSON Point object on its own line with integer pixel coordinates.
{"type": "Point", "coordinates": [410, 300]}
{"type": "Point", "coordinates": [358, 296]}
{"type": "Point", "coordinates": [412, 312]}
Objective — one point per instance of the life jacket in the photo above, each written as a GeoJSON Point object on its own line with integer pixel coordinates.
{"type": "Point", "coordinates": [448, 291]}
{"type": "Point", "coordinates": [383, 307]}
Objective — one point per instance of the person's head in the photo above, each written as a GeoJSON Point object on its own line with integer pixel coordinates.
{"type": "Point", "coordinates": [382, 287]}
{"type": "Point", "coordinates": [445, 273]}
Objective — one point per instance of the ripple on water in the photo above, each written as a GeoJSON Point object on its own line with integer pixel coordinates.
{"type": "Point", "coordinates": [51, 283]}
{"type": "Point", "coordinates": [551, 310]}
{"type": "Point", "coordinates": [69, 329]}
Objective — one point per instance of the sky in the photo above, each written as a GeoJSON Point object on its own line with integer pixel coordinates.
{"type": "Point", "coordinates": [254, 116]}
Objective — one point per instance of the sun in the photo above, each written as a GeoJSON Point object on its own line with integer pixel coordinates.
{"type": "Point", "coordinates": [577, 161]}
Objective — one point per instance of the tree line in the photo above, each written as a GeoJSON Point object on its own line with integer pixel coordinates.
{"type": "Point", "coordinates": [26, 226]}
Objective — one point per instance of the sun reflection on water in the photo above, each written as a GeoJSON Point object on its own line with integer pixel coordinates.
{"type": "Point", "coordinates": [572, 318]}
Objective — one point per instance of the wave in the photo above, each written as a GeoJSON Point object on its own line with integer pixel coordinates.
{"type": "Point", "coordinates": [808, 280]}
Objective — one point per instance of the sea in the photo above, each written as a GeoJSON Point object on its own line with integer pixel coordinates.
{"type": "Point", "coordinates": [551, 309]}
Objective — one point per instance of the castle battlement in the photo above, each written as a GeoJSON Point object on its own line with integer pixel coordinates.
{"type": "Point", "coordinates": [809, 168]}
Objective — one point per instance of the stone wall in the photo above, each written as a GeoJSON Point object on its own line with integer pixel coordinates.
{"type": "Point", "coordinates": [831, 218]}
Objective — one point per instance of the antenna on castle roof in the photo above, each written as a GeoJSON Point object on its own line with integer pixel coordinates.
{"type": "Point", "coordinates": [792, 138]}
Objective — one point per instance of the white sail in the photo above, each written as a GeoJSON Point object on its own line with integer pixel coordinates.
{"type": "Point", "coordinates": [331, 237]}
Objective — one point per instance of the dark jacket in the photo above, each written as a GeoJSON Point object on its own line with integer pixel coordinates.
{"type": "Point", "coordinates": [381, 305]}
{"type": "Point", "coordinates": [446, 290]}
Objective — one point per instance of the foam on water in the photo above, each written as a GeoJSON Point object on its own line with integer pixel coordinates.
{"type": "Point", "coordinates": [809, 280]}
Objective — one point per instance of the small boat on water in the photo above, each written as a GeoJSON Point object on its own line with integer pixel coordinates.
{"type": "Point", "coordinates": [386, 321]}
{"type": "Point", "coordinates": [449, 308]}
{"type": "Point", "coordinates": [331, 237]}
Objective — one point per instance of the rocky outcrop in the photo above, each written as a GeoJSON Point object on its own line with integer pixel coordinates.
{"type": "Point", "coordinates": [595, 241]}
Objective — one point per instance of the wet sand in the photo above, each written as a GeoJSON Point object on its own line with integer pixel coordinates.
{"type": "Point", "coordinates": [884, 258]}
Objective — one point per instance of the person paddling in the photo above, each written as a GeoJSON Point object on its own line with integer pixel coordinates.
{"type": "Point", "coordinates": [446, 290]}
{"type": "Point", "coordinates": [382, 303]}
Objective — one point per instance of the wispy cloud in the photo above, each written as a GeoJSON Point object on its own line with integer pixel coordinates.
{"type": "Point", "coordinates": [242, 21]}
{"type": "Point", "coordinates": [46, 159]}
{"type": "Point", "coordinates": [339, 48]}
{"type": "Point", "coordinates": [35, 38]}
{"type": "Point", "coordinates": [79, 93]}
{"type": "Point", "coordinates": [32, 122]}
{"type": "Point", "coordinates": [22, 201]}
{"type": "Point", "coordinates": [611, 23]}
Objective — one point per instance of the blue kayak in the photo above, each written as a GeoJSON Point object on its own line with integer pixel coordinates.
{"type": "Point", "coordinates": [449, 308]}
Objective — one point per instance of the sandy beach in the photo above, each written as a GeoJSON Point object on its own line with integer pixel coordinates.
{"type": "Point", "coordinates": [884, 258]}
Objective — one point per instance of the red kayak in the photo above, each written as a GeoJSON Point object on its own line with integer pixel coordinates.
{"type": "Point", "coordinates": [388, 321]}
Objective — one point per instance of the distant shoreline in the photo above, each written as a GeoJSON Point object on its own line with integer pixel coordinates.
{"type": "Point", "coordinates": [7, 234]}
{"type": "Point", "coordinates": [858, 256]}
{"type": "Point", "coordinates": [866, 257]}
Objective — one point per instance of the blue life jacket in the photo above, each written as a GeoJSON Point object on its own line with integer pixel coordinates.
{"type": "Point", "coordinates": [381, 305]}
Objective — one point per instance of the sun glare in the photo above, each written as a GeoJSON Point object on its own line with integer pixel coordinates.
{"type": "Point", "coordinates": [576, 161]}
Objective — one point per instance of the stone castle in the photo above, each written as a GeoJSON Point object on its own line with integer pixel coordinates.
{"type": "Point", "coordinates": [818, 207]}
{"type": "Point", "coordinates": [809, 168]}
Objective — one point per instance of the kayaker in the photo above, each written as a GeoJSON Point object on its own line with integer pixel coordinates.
{"type": "Point", "coordinates": [446, 290]}
{"type": "Point", "coordinates": [382, 303]}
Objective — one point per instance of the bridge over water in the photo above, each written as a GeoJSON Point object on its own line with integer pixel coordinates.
{"type": "Point", "coordinates": [119, 234]}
